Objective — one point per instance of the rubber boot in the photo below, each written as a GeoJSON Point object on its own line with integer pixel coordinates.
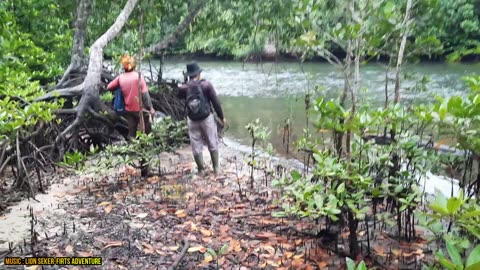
{"type": "Point", "coordinates": [144, 168]}
{"type": "Point", "coordinates": [214, 156]}
{"type": "Point", "coordinates": [199, 160]}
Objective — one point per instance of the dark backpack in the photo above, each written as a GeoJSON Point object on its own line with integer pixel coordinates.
{"type": "Point", "coordinates": [198, 106]}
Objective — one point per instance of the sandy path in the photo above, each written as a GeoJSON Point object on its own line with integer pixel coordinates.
{"type": "Point", "coordinates": [15, 225]}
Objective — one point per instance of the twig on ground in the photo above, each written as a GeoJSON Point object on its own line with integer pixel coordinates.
{"type": "Point", "coordinates": [252, 215]}
{"type": "Point", "coordinates": [180, 256]}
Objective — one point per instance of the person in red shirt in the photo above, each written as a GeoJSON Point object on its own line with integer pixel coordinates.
{"type": "Point", "coordinates": [129, 83]}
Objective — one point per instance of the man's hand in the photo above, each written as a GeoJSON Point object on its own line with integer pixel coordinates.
{"type": "Point", "coordinates": [152, 111]}
{"type": "Point", "coordinates": [224, 121]}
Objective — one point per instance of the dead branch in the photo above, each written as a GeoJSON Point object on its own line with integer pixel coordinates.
{"type": "Point", "coordinates": [5, 164]}
{"type": "Point", "coordinates": [180, 256]}
{"type": "Point", "coordinates": [64, 92]}
{"type": "Point", "coordinates": [66, 111]}
{"type": "Point", "coordinates": [78, 58]}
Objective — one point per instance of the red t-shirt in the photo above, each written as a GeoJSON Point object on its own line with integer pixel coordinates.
{"type": "Point", "coordinates": [128, 81]}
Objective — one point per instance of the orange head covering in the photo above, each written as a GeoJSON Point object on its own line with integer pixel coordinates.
{"type": "Point", "coordinates": [128, 62]}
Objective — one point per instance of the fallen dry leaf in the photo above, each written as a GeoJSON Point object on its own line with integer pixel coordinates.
{"type": "Point", "coordinates": [289, 254]}
{"type": "Point", "coordinates": [240, 206]}
{"type": "Point", "coordinates": [137, 225]}
{"type": "Point", "coordinates": [269, 249]}
{"type": "Point", "coordinates": [417, 252]}
{"type": "Point", "coordinates": [235, 246]}
{"type": "Point", "coordinates": [322, 264]}
{"type": "Point", "coordinates": [205, 232]}
{"type": "Point", "coordinates": [148, 249]}
{"type": "Point", "coordinates": [396, 252]}
{"type": "Point", "coordinates": [193, 227]}
{"type": "Point", "coordinates": [173, 248]}
{"type": "Point", "coordinates": [103, 204]}
{"type": "Point", "coordinates": [262, 265]}
{"type": "Point", "coordinates": [162, 212]}
{"type": "Point", "coordinates": [189, 195]}
{"type": "Point", "coordinates": [159, 252]}
{"type": "Point", "coordinates": [201, 249]}
{"type": "Point", "coordinates": [108, 209]}
{"type": "Point", "coordinates": [181, 213]}
{"type": "Point", "coordinates": [102, 240]}
{"type": "Point", "coordinates": [273, 263]}
{"type": "Point", "coordinates": [265, 235]}
{"type": "Point", "coordinates": [207, 240]}
{"type": "Point", "coordinates": [60, 195]}
{"type": "Point", "coordinates": [208, 259]}
{"type": "Point", "coordinates": [113, 244]}
{"type": "Point", "coordinates": [142, 215]}
{"type": "Point", "coordinates": [299, 256]}
{"type": "Point", "coordinates": [74, 192]}
{"type": "Point", "coordinates": [33, 267]}
{"type": "Point", "coordinates": [56, 252]}
{"type": "Point", "coordinates": [192, 238]}
{"type": "Point", "coordinates": [153, 179]}
{"type": "Point", "coordinates": [69, 249]}
{"type": "Point", "coordinates": [379, 250]}
{"type": "Point", "coordinates": [297, 263]}
{"type": "Point", "coordinates": [85, 254]}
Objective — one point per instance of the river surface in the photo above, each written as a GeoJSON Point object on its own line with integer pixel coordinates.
{"type": "Point", "coordinates": [274, 92]}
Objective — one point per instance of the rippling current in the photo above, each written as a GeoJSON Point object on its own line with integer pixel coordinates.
{"type": "Point", "coordinates": [274, 92]}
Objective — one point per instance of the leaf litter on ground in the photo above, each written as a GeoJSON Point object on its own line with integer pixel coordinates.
{"type": "Point", "coordinates": [151, 218]}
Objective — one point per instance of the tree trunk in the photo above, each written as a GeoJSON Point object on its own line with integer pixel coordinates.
{"type": "Point", "coordinates": [90, 100]}
{"type": "Point", "coordinates": [78, 61]}
{"type": "Point", "coordinates": [352, 237]}
{"type": "Point", "coordinates": [402, 50]}
{"type": "Point", "coordinates": [89, 89]}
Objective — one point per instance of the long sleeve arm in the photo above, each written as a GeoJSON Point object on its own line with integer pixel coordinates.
{"type": "Point", "coordinates": [147, 101]}
{"type": "Point", "coordinates": [215, 101]}
{"type": "Point", "coordinates": [143, 84]}
{"type": "Point", "coordinates": [181, 91]}
{"type": "Point", "coordinates": [113, 84]}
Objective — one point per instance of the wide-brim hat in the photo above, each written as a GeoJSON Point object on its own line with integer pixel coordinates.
{"type": "Point", "coordinates": [193, 69]}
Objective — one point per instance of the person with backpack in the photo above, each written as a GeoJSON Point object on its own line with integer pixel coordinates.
{"type": "Point", "coordinates": [129, 84]}
{"type": "Point", "coordinates": [199, 97]}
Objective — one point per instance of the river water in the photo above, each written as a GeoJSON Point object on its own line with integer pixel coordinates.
{"type": "Point", "coordinates": [274, 92]}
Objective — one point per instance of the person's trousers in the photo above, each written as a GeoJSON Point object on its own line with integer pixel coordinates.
{"type": "Point", "coordinates": [133, 119]}
{"type": "Point", "coordinates": [203, 132]}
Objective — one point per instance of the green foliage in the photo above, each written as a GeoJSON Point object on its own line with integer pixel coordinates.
{"type": "Point", "coordinates": [243, 28]}
{"type": "Point", "coordinates": [462, 18]}
{"type": "Point", "coordinates": [216, 255]}
{"type": "Point", "coordinates": [461, 214]}
{"type": "Point", "coordinates": [258, 134]}
{"type": "Point", "coordinates": [18, 111]}
{"type": "Point", "coordinates": [166, 136]}
{"type": "Point", "coordinates": [351, 265]}
{"type": "Point", "coordinates": [107, 96]}
{"type": "Point", "coordinates": [35, 37]}
{"type": "Point", "coordinates": [455, 261]}
{"type": "Point", "coordinates": [26, 61]}
{"type": "Point", "coordinates": [75, 159]}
